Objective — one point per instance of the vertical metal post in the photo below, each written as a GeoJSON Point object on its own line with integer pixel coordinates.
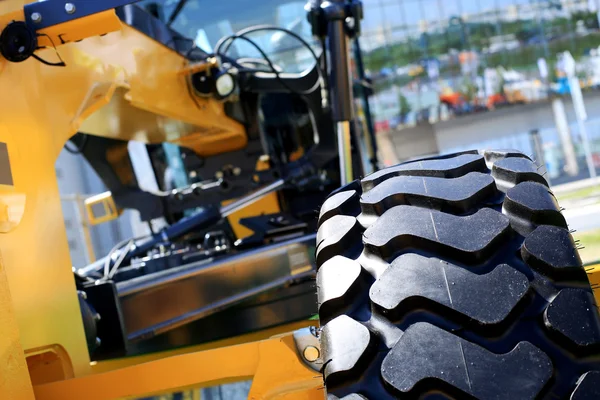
{"type": "Point", "coordinates": [345, 152]}
{"type": "Point", "coordinates": [586, 146]}
{"type": "Point", "coordinates": [339, 73]}
{"type": "Point", "coordinates": [564, 134]}
{"type": "Point", "coordinates": [579, 106]}
{"type": "Point", "coordinates": [340, 85]}
{"type": "Point", "coordinates": [581, 116]}
{"type": "Point", "coordinates": [337, 21]}
{"type": "Point", "coordinates": [538, 150]}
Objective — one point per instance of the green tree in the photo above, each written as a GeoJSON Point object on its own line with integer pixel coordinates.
{"type": "Point", "coordinates": [404, 106]}
{"type": "Point", "coordinates": [589, 19]}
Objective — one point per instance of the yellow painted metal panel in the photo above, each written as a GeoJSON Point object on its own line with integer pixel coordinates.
{"type": "Point", "coordinates": [593, 274]}
{"type": "Point", "coordinates": [110, 365]}
{"type": "Point", "coordinates": [161, 376]}
{"type": "Point", "coordinates": [267, 205]}
{"type": "Point", "coordinates": [273, 364]}
{"type": "Point", "coordinates": [14, 376]}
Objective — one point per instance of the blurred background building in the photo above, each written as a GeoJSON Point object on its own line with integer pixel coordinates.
{"type": "Point", "coordinates": [434, 61]}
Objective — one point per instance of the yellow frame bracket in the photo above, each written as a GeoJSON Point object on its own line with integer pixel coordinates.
{"type": "Point", "coordinates": [107, 202]}
{"type": "Point", "coordinates": [273, 364]}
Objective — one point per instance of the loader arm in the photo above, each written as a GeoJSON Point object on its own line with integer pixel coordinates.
{"type": "Point", "coordinates": [120, 72]}
{"type": "Point", "coordinates": [112, 73]}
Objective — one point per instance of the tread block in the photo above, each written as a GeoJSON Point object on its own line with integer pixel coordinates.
{"type": "Point", "coordinates": [340, 281]}
{"type": "Point", "coordinates": [354, 185]}
{"type": "Point", "coordinates": [427, 352]}
{"type": "Point", "coordinates": [486, 298]}
{"type": "Point", "coordinates": [530, 204]}
{"type": "Point", "coordinates": [347, 345]}
{"type": "Point", "coordinates": [492, 156]}
{"type": "Point", "coordinates": [458, 194]}
{"type": "Point", "coordinates": [588, 387]}
{"type": "Point", "coordinates": [441, 168]}
{"type": "Point", "coordinates": [335, 235]}
{"type": "Point", "coordinates": [512, 171]}
{"type": "Point", "coordinates": [551, 251]}
{"type": "Point", "coordinates": [573, 314]}
{"type": "Point", "coordinates": [345, 203]}
{"type": "Point", "coordinates": [469, 238]}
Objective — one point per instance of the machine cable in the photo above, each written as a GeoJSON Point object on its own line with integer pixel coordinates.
{"type": "Point", "coordinates": [123, 247]}
{"type": "Point", "coordinates": [61, 63]}
{"type": "Point", "coordinates": [227, 41]}
{"type": "Point", "coordinates": [271, 66]}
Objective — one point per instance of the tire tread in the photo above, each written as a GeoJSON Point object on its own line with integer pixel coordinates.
{"type": "Point", "coordinates": [455, 276]}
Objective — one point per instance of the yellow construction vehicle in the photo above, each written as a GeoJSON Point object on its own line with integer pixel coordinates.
{"type": "Point", "coordinates": [452, 276]}
{"type": "Point", "coordinates": [235, 263]}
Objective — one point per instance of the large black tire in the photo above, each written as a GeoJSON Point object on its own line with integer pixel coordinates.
{"type": "Point", "coordinates": [454, 277]}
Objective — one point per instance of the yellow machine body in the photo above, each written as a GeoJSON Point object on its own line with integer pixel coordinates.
{"type": "Point", "coordinates": [122, 85]}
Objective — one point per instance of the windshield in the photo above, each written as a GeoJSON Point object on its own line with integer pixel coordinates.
{"type": "Point", "coordinates": [207, 21]}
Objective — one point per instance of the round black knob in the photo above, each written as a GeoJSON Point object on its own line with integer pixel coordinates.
{"type": "Point", "coordinates": [17, 42]}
